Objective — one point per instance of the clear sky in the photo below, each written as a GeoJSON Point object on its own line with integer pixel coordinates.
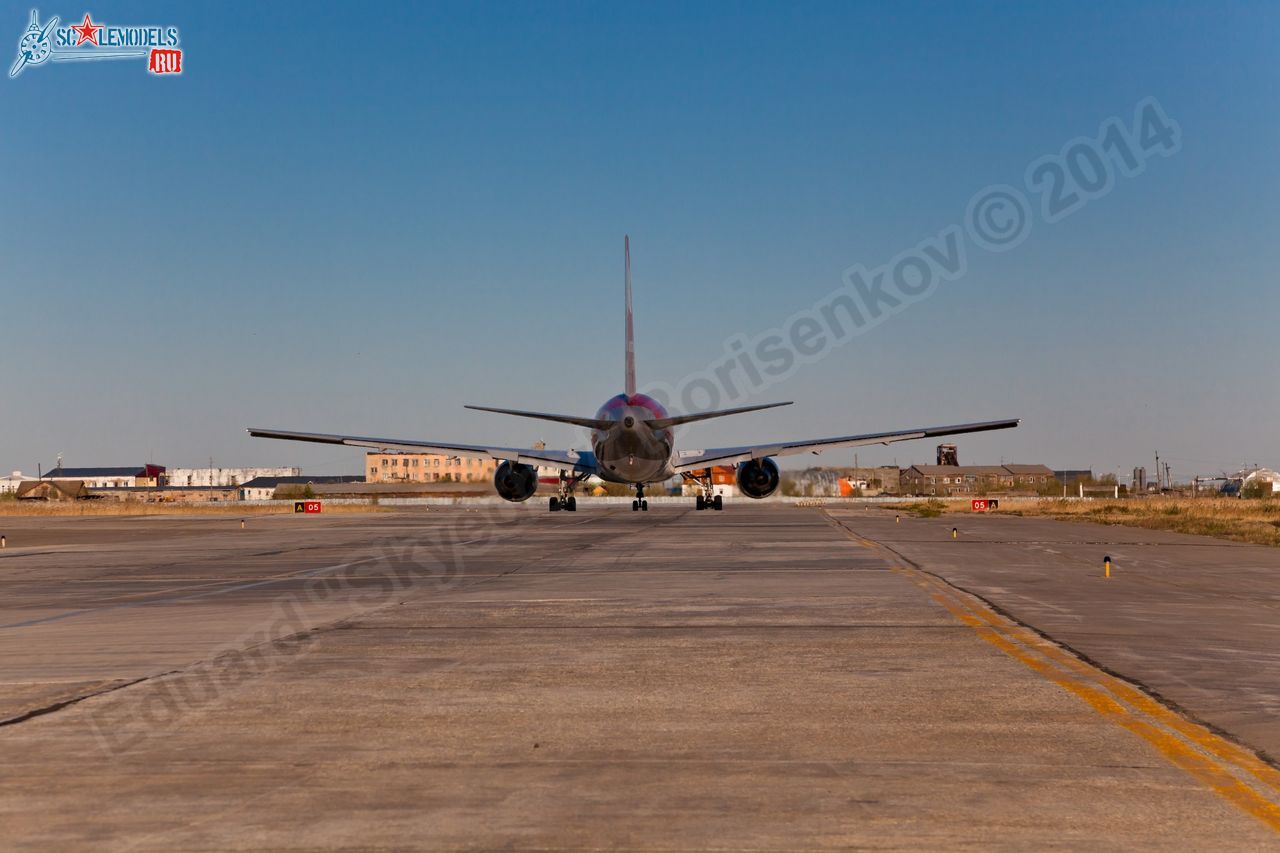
{"type": "Point", "coordinates": [357, 218]}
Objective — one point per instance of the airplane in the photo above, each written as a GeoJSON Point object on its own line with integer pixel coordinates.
{"type": "Point", "coordinates": [633, 443]}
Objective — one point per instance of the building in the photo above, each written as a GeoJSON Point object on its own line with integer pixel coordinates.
{"type": "Point", "coordinates": [426, 468]}
{"type": "Point", "coordinates": [1238, 481]}
{"type": "Point", "coordinates": [109, 478]}
{"type": "Point", "coordinates": [973, 479]}
{"type": "Point", "coordinates": [10, 484]}
{"type": "Point", "coordinates": [1031, 476]}
{"type": "Point", "coordinates": [264, 488]}
{"type": "Point", "coordinates": [169, 494]}
{"type": "Point", "coordinates": [870, 482]}
{"type": "Point", "coordinates": [52, 490]}
{"type": "Point", "coordinates": [224, 476]}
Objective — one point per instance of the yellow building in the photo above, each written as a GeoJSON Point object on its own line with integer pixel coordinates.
{"type": "Point", "coordinates": [426, 468]}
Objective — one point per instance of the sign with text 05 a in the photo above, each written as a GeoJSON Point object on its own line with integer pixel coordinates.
{"type": "Point", "coordinates": [984, 504]}
{"type": "Point", "coordinates": [306, 506]}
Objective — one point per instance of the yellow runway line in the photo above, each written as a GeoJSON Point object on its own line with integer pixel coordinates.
{"type": "Point", "coordinates": [1226, 768]}
{"type": "Point", "coordinates": [1229, 770]}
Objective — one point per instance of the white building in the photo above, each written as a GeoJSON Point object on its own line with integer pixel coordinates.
{"type": "Point", "coordinates": [225, 476]}
{"type": "Point", "coordinates": [10, 483]}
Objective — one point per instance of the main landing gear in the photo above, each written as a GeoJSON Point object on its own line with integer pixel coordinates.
{"type": "Point", "coordinates": [639, 503]}
{"type": "Point", "coordinates": [563, 498]}
{"type": "Point", "coordinates": [707, 499]}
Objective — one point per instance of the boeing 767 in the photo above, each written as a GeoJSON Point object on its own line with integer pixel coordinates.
{"type": "Point", "coordinates": [633, 442]}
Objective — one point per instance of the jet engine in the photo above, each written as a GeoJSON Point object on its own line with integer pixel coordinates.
{"type": "Point", "coordinates": [515, 482]}
{"type": "Point", "coordinates": [758, 478]}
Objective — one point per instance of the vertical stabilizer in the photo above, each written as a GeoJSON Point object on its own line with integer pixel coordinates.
{"type": "Point", "coordinates": [631, 335]}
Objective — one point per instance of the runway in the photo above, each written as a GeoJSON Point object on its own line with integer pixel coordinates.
{"type": "Point", "coordinates": [766, 677]}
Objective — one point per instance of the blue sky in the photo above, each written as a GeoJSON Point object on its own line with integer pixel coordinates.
{"type": "Point", "coordinates": [357, 222]}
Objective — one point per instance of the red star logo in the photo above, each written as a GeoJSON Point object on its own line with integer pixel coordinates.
{"type": "Point", "coordinates": [88, 32]}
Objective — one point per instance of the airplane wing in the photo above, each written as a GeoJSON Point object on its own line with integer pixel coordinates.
{"type": "Point", "coordinates": [691, 460]}
{"type": "Point", "coordinates": [582, 462]}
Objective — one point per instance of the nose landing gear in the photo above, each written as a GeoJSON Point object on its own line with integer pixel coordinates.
{"type": "Point", "coordinates": [639, 503]}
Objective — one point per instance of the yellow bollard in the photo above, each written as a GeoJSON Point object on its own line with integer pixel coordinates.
{"type": "Point", "coordinates": [4, 543]}
{"type": "Point", "coordinates": [897, 519]}
{"type": "Point", "coordinates": [1106, 565]}
{"type": "Point", "coordinates": [242, 524]}
{"type": "Point", "coordinates": [955, 533]}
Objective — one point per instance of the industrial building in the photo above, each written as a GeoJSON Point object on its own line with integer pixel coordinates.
{"type": "Point", "coordinates": [224, 476]}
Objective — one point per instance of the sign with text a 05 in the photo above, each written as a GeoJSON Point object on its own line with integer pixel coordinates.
{"type": "Point", "coordinates": [984, 504]}
{"type": "Point", "coordinates": [306, 506]}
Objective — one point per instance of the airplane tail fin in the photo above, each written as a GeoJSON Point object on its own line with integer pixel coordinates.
{"type": "Point", "coordinates": [631, 334]}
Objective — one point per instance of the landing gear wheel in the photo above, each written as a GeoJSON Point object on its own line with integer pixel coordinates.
{"type": "Point", "coordinates": [700, 504]}
{"type": "Point", "coordinates": [717, 502]}
{"type": "Point", "coordinates": [554, 505]}
{"type": "Point", "coordinates": [571, 504]}
{"type": "Point", "coordinates": [635, 505]}
{"type": "Point", "coordinates": [644, 505]}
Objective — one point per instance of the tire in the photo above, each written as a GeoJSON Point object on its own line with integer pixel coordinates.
{"type": "Point", "coordinates": [635, 506]}
{"type": "Point", "coordinates": [571, 505]}
{"type": "Point", "coordinates": [554, 505]}
{"type": "Point", "coordinates": [700, 504]}
{"type": "Point", "coordinates": [644, 505]}
{"type": "Point", "coordinates": [718, 502]}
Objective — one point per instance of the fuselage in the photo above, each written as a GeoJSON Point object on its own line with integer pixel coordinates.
{"type": "Point", "coordinates": [631, 451]}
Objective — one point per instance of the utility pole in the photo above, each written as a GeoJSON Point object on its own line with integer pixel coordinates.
{"type": "Point", "coordinates": [1158, 471]}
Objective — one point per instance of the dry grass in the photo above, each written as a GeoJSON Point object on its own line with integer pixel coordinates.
{"type": "Point", "coordinates": [104, 509]}
{"type": "Point", "coordinates": [1254, 521]}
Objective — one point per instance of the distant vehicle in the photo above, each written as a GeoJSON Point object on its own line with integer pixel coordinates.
{"type": "Point", "coordinates": [633, 443]}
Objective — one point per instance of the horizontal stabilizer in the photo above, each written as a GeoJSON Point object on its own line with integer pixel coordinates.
{"type": "Point", "coordinates": [690, 460]}
{"type": "Point", "coordinates": [589, 423]}
{"type": "Point", "coordinates": [568, 459]}
{"type": "Point", "coordinates": [676, 420]}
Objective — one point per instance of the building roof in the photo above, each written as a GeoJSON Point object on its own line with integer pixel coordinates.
{"type": "Point", "coordinates": [83, 473]}
{"type": "Point", "coordinates": [66, 488]}
{"type": "Point", "coordinates": [1030, 469]}
{"type": "Point", "coordinates": [953, 470]}
{"type": "Point", "coordinates": [273, 482]}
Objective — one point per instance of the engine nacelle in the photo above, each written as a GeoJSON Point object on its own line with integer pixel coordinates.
{"type": "Point", "coordinates": [516, 482]}
{"type": "Point", "coordinates": [758, 478]}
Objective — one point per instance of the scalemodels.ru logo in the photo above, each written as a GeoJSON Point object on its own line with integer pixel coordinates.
{"type": "Point", "coordinates": [89, 41]}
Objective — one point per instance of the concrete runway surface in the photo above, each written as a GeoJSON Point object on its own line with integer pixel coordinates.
{"type": "Point", "coordinates": [768, 677]}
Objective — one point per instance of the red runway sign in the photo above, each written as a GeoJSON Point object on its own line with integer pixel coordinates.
{"type": "Point", "coordinates": [306, 506]}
